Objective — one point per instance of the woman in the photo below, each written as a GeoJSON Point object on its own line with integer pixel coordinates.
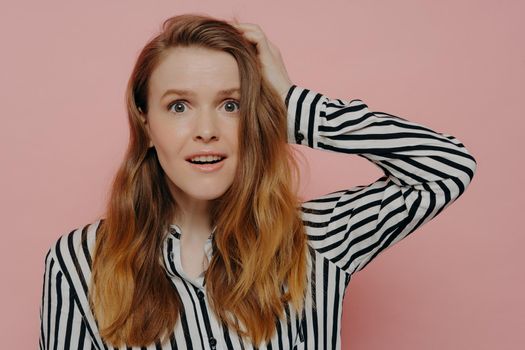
{"type": "Point", "coordinates": [205, 243]}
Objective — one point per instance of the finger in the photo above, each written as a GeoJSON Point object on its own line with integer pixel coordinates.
{"type": "Point", "coordinates": [250, 27]}
{"type": "Point", "coordinates": [256, 38]}
{"type": "Point", "coordinates": [273, 49]}
{"type": "Point", "coordinates": [254, 34]}
{"type": "Point", "coordinates": [252, 31]}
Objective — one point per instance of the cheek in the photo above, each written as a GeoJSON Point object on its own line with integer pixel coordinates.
{"type": "Point", "coordinates": [168, 134]}
{"type": "Point", "coordinates": [168, 145]}
{"type": "Point", "coordinates": [233, 135]}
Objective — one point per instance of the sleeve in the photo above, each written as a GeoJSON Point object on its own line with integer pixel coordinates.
{"type": "Point", "coordinates": [424, 172]}
{"type": "Point", "coordinates": [61, 323]}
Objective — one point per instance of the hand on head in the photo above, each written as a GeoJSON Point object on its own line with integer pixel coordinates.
{"type": "Point", "coordinates": [270, 56]}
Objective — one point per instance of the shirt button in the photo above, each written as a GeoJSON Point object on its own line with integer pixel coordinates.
{"type": "Point", "coordinates": [299, 137]}
{"type": "Point", "coordinates": [200, 294]}
{"type": "Point", "coordinates": [213, 342]}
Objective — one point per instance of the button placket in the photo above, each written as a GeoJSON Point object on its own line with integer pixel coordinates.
{"type": "Point", "coordinates": [213, 342]}
{"type": "Point", "coordinates": [210, 323]}
{"type": "Point", "coordinates": [173, 255]}
{"type": "Point", "coordinates": [299, 137]}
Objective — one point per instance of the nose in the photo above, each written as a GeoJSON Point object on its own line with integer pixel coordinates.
{"type": "Point", "coordinates": [206, 128]}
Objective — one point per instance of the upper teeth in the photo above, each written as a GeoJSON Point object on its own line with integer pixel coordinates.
{"type": "Point", "coordinates": [206, 158]}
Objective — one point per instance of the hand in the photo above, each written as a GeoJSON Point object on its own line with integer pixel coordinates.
{"type": "Point", "coordinates": [270, 56]}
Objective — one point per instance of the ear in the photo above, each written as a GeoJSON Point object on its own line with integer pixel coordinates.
{"type": "Point", "coordinates": [144, 120]}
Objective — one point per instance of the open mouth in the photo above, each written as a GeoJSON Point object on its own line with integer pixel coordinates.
{"type": "Point", "coordinates": [206, 162]}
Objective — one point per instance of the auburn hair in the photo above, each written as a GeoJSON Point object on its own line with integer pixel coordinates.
{"type": "Point", "coordinates": [259, 242]}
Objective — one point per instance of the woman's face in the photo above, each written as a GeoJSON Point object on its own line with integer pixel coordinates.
{"type": "Point", "coordinates": [202, 118]}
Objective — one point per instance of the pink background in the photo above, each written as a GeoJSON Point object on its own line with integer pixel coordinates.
{"type": "Point", "coordinates": [457, 67]}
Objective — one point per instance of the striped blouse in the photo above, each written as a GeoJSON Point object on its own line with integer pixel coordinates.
{"type": "Point", "coordinates": [424, 172]}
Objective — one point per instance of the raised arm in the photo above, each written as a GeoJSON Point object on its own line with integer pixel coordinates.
{"type": "Point", "coordinates": [425, 171]}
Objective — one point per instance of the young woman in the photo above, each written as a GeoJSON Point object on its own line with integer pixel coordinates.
{"type": "Point", "coordinates": [205, 244]}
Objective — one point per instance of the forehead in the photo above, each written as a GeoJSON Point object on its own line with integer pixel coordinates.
{"type": "Point", "coordinates": [197, 69]}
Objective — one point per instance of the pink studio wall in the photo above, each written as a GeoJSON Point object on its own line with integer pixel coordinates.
{"type": "Point", "coordinates": [455, 66]}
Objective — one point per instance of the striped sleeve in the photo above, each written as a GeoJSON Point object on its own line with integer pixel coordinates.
{"type": "Point", "coordinates": [61, 323]}
{"type": "Point", "coordinates": [424, 172]}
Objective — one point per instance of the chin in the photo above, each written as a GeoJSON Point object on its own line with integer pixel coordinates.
{"type": "Point", "coordinates": [207, 195]}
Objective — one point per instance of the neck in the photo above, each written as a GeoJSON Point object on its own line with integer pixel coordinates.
{"type": "Point", "coordinates": [193, 217]}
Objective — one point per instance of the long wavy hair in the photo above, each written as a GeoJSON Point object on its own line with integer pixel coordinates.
{"type": "Point", "coordinates": [259, 243]}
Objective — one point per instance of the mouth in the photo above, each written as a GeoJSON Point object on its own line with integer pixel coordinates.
{"type": "Point", "coordinates": [203, 162]}
{"type": "Point", "coordinates": [207, 166]}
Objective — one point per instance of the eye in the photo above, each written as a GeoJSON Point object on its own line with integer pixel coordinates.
{"type": "Point", "coordinates": [231, 103]}
{"type": "Point", "coordinates": [177, 105]}
{"type": "Point", "coordinates": [180, 106]}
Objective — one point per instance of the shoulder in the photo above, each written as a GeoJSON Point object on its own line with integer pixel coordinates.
{"type": "Point", "coordinates": [72, 252]}
{"type": "Point", "coordinates": [77, 242]}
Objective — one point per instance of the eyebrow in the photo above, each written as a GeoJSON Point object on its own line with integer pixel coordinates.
{"type": "Point", "coordinates": [189, 93]}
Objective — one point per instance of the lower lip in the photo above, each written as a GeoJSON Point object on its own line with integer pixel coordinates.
{"type": "Point", "coordinates": [208, 168]}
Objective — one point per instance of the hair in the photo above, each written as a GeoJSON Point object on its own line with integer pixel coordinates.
{"type": "Point", "coordinates": [260, 241]}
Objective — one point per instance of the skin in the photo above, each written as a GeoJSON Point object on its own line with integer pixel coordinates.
{"type": "Point", "coordinates": [180, 125]}
{"type": "Point", "coordinates": [274, 69]}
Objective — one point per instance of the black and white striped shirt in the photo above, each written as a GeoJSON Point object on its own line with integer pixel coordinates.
{"type": "Point", "coordinates": [424, 172]}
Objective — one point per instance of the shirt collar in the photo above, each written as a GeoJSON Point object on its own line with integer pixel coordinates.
{"type": "Point", "coordinates": [176, 231]}
{"type": "Point", "coordinates": [172, 248]}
